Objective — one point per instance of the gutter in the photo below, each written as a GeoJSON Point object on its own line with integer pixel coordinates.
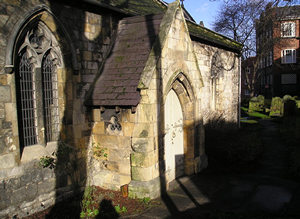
{"type": "Point", "coordinates": [96, 3]}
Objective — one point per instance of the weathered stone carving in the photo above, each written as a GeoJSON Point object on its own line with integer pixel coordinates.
{"type": "Point", "coordinates": [38, 41]}
{"type": "Point", "coordinates": [114, 125]}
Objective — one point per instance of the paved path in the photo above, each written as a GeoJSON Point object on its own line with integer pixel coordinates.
{"type": "Point", "coordinates": [264, 194]}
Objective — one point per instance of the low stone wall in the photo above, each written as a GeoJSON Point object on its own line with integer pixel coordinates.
{"type": "Point", "coordinates": [28, 189]}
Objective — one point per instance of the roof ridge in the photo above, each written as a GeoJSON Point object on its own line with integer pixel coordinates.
{"type": "Point", "coordinates": [141, 18]}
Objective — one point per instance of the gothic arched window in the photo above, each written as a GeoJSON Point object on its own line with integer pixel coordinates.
{"type": "Point", "coordinates": [37, 87]}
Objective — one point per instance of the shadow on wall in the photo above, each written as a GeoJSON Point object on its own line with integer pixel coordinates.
{"type": "Point", "coordinates": [75, 134]}
{"type": "Point", "coordinates": [71, 170]}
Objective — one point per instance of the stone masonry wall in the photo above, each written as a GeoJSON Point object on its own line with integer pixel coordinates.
{"type": "Point", "coordinates": [31, 189]}
{"type": "Point", "coordinates": [84, 38]}
{"type": "Point", "coordinates": [110, 148]}
{"type": "Point", "coordinates": [176, 66]}
{"type": "Point", "coordinates": [220, 94]}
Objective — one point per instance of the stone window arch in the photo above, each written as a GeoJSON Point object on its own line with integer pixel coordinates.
{"type": "Point", "coordinates": [216, 71]}
{"type": "Point", "coordinates": [38, 58]}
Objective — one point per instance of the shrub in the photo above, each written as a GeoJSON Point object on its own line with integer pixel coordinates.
{"type": "Point", "coordinates": [235, 150]}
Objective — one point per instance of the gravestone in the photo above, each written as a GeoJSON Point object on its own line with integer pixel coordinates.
{"type": "Point", "coordinates": [276, 107]}
{"type": "Point", "coordinates": [257, 104]}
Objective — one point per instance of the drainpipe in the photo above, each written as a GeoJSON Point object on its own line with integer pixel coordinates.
{"type": "Point", "coordinates": [240, 92]}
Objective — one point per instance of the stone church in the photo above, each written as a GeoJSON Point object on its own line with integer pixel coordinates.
{"type": "Point", "coordinates": [107, 93]}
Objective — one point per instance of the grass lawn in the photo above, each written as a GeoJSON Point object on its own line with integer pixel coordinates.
{"type": "Point", "coordinates": [255, 115]}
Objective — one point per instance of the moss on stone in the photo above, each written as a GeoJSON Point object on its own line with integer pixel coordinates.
{"type": "Point", "coordinates": [276, 107]}
{"type": "Point", "coordinates": [211, 36]}
{"type": "Point", "coordinates": [137, 159]}
{"type": "Point", "coordinates": [257, 104]}
{"type": "Point", "coordinates": [119, 58]}
{"type": "Point", "coordinates": [144, 134]}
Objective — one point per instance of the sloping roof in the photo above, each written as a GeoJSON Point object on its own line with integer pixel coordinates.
{"type": "Point", "coordinates": [147, 7]}
{"type": "Point", "coordinates": [117, 85]}
{"type": "Point", "coordinates": [137, 7]}
{"type": "Point", "coordinates": [208, 35]}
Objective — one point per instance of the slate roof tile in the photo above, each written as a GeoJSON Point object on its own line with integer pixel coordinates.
{"type": "Point", "coordinates": [117, 85]}
{"type": "Point", "coordinates": [146, 7]}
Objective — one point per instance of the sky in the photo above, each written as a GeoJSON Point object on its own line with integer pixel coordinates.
{"type": "Point", "coordinates": [202, 10]}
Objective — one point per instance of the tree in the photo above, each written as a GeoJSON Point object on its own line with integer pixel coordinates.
{"type": "Point", "coordinates": [238, 20]}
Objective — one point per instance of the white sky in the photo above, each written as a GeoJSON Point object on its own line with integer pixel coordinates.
{"type": "Point", "coordinates": [202, 10]}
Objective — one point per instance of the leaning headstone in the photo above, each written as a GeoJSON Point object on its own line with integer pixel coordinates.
{"type": "Point", "coordinates": [276, 107]}
{"type": "Point", "coordinates": [257, 104]}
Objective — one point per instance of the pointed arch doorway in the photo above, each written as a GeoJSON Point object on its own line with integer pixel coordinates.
{"type": "Point", "coordinates": [173, 140]}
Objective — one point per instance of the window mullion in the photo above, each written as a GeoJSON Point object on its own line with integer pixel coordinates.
{"type": "Point", "coordinates": [39, 106]}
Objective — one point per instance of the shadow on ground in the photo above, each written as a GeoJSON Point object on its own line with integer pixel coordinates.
{"type": "Point", "coordinates": [263, 192]}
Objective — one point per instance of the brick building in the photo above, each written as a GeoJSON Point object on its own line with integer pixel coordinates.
{"type": "Point", "coordinates": [277, 36]}
{"type": "Point", "coordinates": [120, 91]}
{"type": "Point", "coordinates": [248, 78]}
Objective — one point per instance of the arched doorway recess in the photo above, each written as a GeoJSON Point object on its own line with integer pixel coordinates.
{"type": "Point", "coordinates": [179, 129]}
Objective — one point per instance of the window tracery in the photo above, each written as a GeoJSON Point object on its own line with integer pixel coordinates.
{"type": "Point", "coordinates": [38, 58]}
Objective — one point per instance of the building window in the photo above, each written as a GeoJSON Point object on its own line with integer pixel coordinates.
{"type": "Point", "coordinates": [270, 58]}
{"type": "Point", "coordinates": [288, 79]}
{"type": "Point", "coordinates": [37, 87]}
{"type": "Point", "coordinates": [288, 56]}
{"type": "Point", "coordinates": [288, 29]}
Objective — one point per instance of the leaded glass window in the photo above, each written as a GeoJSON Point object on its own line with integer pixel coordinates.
{"type": "Point", "coordinates": [50, 98]}
{"type": "Point", "coordinates": [37, 87]}
{"type": "Point", "coordinates": [26, 89]}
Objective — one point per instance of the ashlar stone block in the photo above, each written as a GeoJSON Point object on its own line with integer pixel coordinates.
{"type": "Point", "coordinates": [144, 159]}
{"type": "Point", "coordinates": [143, 144]}
{"type": "Point", "coordinates": [112, 141]}
{"type": "Point", "coordinates": [7, 161]}
{"type": "Point", "coordinates": [149, 189]}
{"type": "Point", "coordinates": [99, 128]}
{"type": "Point", "coordinates": [147, 113]}
{"type": "Point", "coordinates": [5, 95]}
{"type": "Point", "coordinates": [127, 128]}
{"type": "Point", "coordinates": [125, 168]}
{"type": "Point", "coordinates": [143, 130]}
{"type": "Point", "coordinates": [144, 173]}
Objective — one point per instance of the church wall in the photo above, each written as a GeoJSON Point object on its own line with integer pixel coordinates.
{"type": "Point", "coordinates": [108, 163]}
{"type": "Point", "coordinates": [220, 93]}
{"type": "Point", "coordinates": [84, 38]}
{"type": "Point", "coordinates": [176, 69]}
{"type": "Point", "coordinates": [107, 147]}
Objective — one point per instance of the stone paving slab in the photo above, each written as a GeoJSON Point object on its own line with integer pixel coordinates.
{"type": "Point", "coordinates": [238, 197]}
